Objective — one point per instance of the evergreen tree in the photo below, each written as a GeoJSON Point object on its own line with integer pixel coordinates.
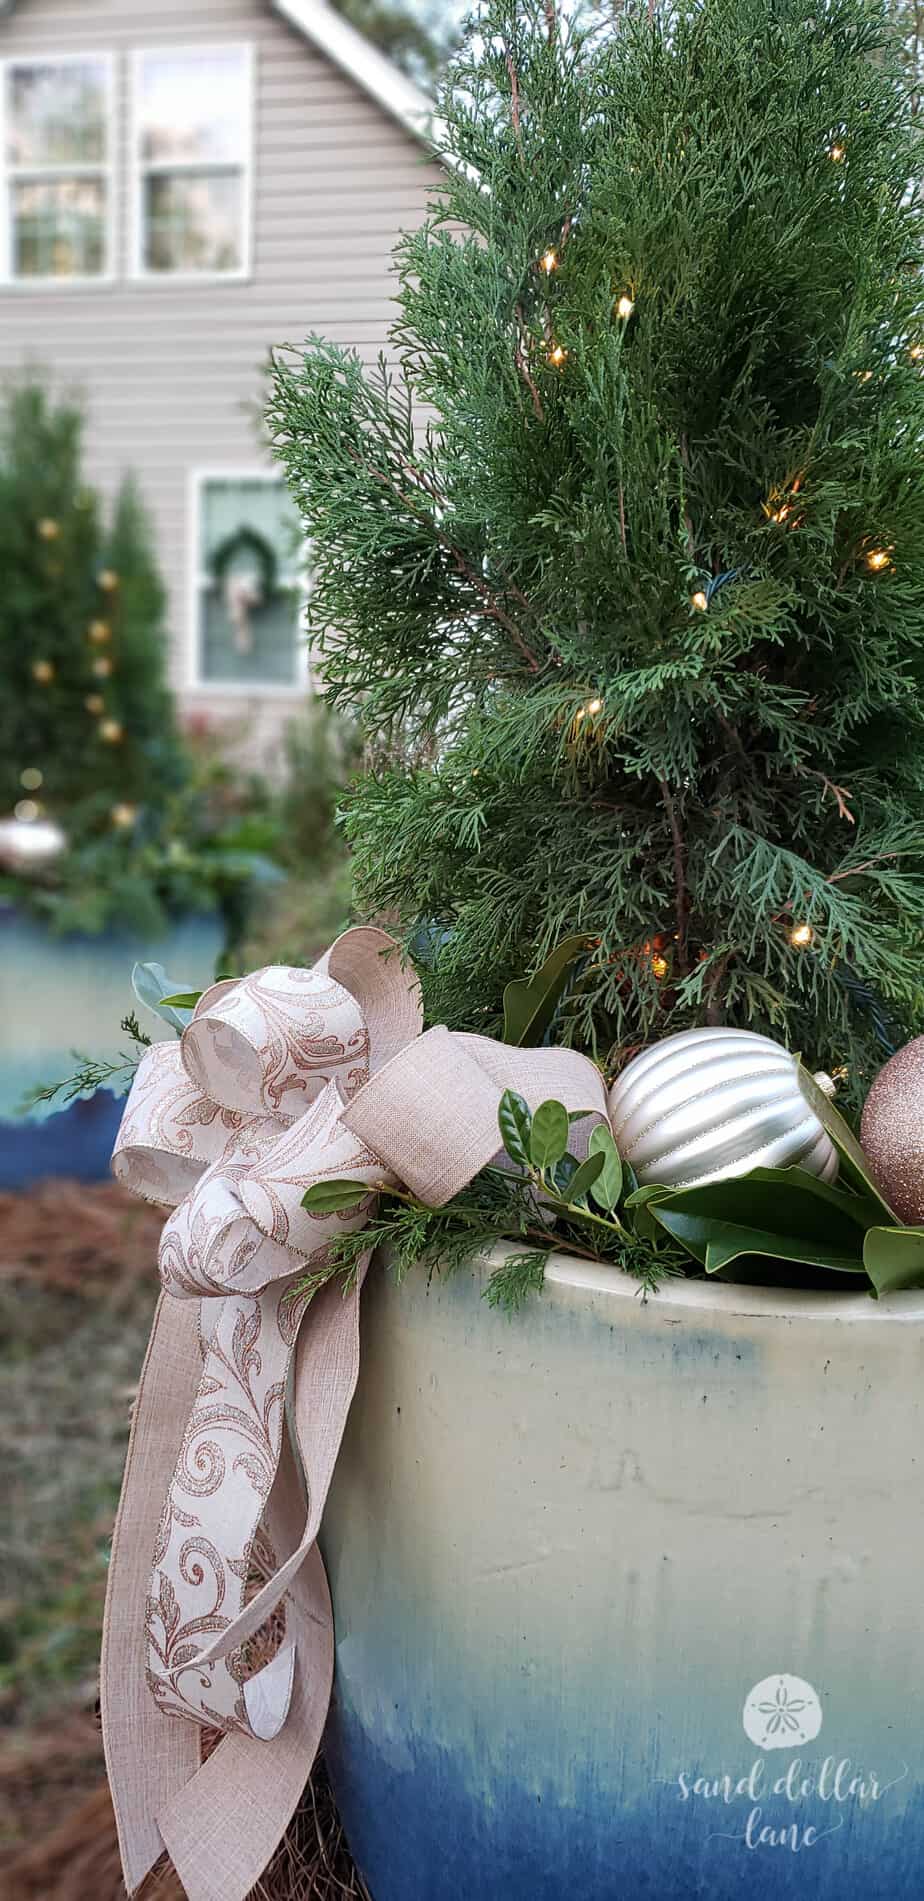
{"type": "Point", "coordinates": [417, 39]}
{"type": "Point", "coordinates": [81, 631]}
{"type": "Point", "coordinates": [640, 609]}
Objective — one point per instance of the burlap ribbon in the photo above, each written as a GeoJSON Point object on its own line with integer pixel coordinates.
{"type": "Point", "coordinates": [281, 1080]}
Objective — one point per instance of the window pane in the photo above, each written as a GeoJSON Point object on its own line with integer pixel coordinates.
{"type": "Point", "coordinates": [193, 222]}
{"type": "Point", "coordinates": [193, 106]}
{"type": "Point", "coordinates": [259, 645]}
{"type": "Point", "coordinates": [248, 630]}
{"type": "Point", "coordinates": [58, 227]}
{"type": "Point", "coordinates": [241, 503]}
{"type": "Point", "coordinates": [56, 115]}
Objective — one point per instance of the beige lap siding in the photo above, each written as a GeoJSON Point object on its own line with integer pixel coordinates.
{"type": "Point", "coordinates": [172, 373]}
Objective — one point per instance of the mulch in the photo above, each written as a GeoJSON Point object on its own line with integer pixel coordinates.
{"type": "Point", "coordinates": [64, 1246]}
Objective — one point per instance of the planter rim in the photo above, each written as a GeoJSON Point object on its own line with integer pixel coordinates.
{"type": "Point", "coordinates": [675, 1298]}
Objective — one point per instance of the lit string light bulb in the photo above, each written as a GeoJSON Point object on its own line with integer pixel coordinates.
{"type": "Point", "coordinates": [877, 559]}
{"type": "Point", "coordinates": [557, 355]}
{"type": "Point", "coordinates": [837, 153]}
{"type": "Point", "coordinates": [99, 632]}
{"type": "Point", "coordinates": [549, 262]}
{"type": "Point", "coordinates": [43, 671]}
{"type": "Point", "coordinates": [700, 600]}
{"type": "Point", "coordinates": [801, 936]}
{"type": "Point", "coordinates": [31, 778]}
{"type": "Point", "coordinates": [916, 353]}
{"type": "Point", "coordinates": [659, 967]}
{"type": "Point", "coordinates": [625, 307]}
{"type": "Point", "coordinates": [123, 816]}
{"type": "Point", "coordinates": [111, 731]}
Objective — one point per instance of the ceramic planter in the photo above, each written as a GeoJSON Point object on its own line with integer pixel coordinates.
{"type": "Point", "coordinates": [60, 992]}
{"type": "Point", "coordinates": [621, 1586]}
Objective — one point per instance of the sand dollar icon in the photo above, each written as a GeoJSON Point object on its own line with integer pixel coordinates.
{"type": "Point", "coordinates": [782, 1712]}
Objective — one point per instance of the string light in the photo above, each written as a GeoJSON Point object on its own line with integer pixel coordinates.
{"type": "Point", "coordinates": [801, 936]}
{"type": "Point", "coordinates": [625, 307]}
{"type": "Point", "coordinates": [123, 816]}
{"type": "Point", "coordinates": [699, 600]}
{"type": "Point", "coordinates": [837, 152]}
{"type": "Point", "coordinates": [102, 667]}
{"type": "Point", "coordinates": [95, 703]}
{"type": "Point", "coordinates": [108, 580]}
{"type": "Point", "coordinates": [111, 730]}
{"type": "Point", "coordinates": [99, 632]}
{"type": "Point", "coordinates": [31, 779]}
{"type": "Point", "coordinates": [659, 967]}
{"type": "Point", "coordinates": [557, 355]}
{"type": "Point", "coordinates": [916, 352]}
{"type": "Point", "coordinates": [48, 528]}
{"type": "Point", "coordinates": [549, 262]}
{"type": "Point", "coordinates": [27, 810]}
{"type": "Point", "coordinates": [594, 706]}
{"type": "Point", "coordinates": [877, 559]}
{"type": "Point", "coordinates": [863, 376]}
{"type": "Point", "coordinates": [43, 671]}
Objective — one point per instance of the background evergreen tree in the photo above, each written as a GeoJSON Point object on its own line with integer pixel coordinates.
{"type": "Point", "coordinates": [418, 38]}
{"type": "Point", "coordinates": [82, 642]}
{"type": "Point", "coordinates": [641, 610]}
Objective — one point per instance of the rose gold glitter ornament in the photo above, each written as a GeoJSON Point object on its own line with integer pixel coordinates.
{"type": "Point", "coordinates": [892, 1132]}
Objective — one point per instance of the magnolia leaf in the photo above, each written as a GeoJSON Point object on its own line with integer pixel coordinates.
{"type": "Point", "coordinates": [607, 1186]}
{"type": "Point", "coordinates": [163, 995]}
{"type": "Point", "coordinates": [855, 1168]}
{"type": "Point", "coordinates": [335, 1197]}
{"type": "Point", "coordinates": [548, 1138]}
{"type": "Point", "coordinates": [585, 1177]}
{"type": "Point", "coordinates": [894, 1258]}
{"type": "Point", "coordinates": [530, 1003]}
{"type": "Point", "coordinates": [715, 1244]}
{"type": "Point", "coordinates": [514, 1119]}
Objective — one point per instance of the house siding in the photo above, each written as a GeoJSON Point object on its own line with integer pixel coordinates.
{"type": "Point", "coordinates": [173, 374]}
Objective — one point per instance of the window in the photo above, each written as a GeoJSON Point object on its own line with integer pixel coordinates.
{"type": "Point", "coordinates": [56, 154]}
{"type": "Point", "coordinates": [248, 588]}
{"type": "Point", "coordinates": [193, 158]}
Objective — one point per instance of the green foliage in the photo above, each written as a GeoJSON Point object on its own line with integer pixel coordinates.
{"type": "Point", "coordinates": [531, 1004]}
{"type": "Point", "coordinates": [576, 744]}
{"type": "Point", "coordinates": [77, 597]}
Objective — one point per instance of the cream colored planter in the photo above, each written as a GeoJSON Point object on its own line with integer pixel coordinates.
{"type": "Point", "coordinates": [566, 1548]}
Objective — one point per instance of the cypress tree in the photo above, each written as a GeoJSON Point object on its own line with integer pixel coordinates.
{"type": "Point", "coordinates": [621, 552]}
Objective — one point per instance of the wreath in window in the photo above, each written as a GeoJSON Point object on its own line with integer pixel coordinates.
{"type": "Point", "coordinates": [244, 567]}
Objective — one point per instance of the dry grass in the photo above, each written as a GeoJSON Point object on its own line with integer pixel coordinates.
{"type": "Point", "coordinates": [77, 1289]}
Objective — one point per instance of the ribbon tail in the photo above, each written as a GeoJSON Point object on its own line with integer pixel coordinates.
{"type": "Point", "coordinates": [223, 1827]}
{"type": "Point", "coordinates": [148, 1760]}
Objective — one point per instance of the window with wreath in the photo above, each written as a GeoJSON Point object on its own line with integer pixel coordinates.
{"type": "Point", "coordinates": [248, 583]}
{"type": "Point", "coordinates": [193, 159]}
{"type": "Point", "coordinates": [56, 119]}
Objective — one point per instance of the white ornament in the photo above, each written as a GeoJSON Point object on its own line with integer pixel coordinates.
{"type": "Point", "coordinates": [782, 1712]}
{"type": "Point", "coordinates": [710, 1104]}
{"type": "Point", "coordinates": [28, 844]}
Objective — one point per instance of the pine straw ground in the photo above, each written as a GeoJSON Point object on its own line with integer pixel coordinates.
{"type": "Point", "coordinates": [77, 1289]}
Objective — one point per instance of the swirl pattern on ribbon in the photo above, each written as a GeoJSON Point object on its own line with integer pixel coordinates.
{"type": "Point", "coordinates": [281, 1080]}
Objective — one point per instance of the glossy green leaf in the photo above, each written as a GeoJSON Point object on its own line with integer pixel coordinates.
{"type": "Point", "coordinates": [584, 1180]}
{"type": "Point", "coordinates": [562, 1175]}
{"type": "Point", "coordinates": [855, 1168]}
{"type": "Point", "coordinates": [158, 992]}
{"type": "Point", "coordinates": [894, 1258]}
{"type": "Point", "coordinates": [335, 1197]}
{"type": "Point", "coordinates": [607, 1186]}
{"type": "Point", "coordinates": [514, 1119]}
{"type": "Point", "coordinates": [530, 1003]}
{"type": "Point", "coordinates": [182, 999]}
{"type": "Point", "coordinates": [548, 1139]}
{"type": "Point", "coordinates": [715, 1244]}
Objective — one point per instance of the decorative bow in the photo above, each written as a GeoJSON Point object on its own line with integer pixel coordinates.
{"type": "Point", "coordinates": [281, 1080]}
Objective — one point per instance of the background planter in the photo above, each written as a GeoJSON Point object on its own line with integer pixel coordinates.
{"type": "Point", "coordinates": [62, 993]}
{"type": "Point", "coordinates": [565, 1547]}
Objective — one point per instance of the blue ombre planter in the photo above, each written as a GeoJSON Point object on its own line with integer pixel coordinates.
{"type": "Point", "coordinates": [565, 1547]}
{"type": "Point", "coordinates": [58, 994]}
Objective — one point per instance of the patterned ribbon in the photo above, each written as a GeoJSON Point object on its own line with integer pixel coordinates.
{"type": "Point", "coordinates": [281, 1080]}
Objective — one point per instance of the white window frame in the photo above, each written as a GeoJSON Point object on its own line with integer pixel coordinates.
{"type": "Point", "coordinates": [199, 579]}
{"type": "Point", "coordinates": [140, 167]}
{"type": "Point", "coordinates": [108, 170]}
